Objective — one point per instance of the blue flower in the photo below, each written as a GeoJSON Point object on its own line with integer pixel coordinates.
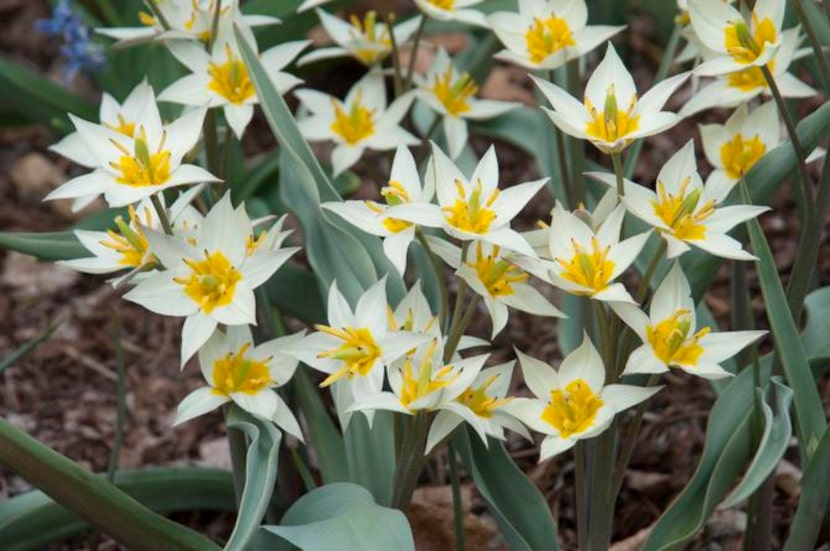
{"type": "Point", "coordinates": [78, 49]}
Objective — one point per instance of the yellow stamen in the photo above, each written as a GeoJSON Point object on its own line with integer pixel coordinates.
{"type": "Point", "coordinates": [750, 79]}
{"type": "Point", "coordinates": [236, 372]}
{"type": "Point", "coordinates": [124, 126]}
{"type": "Point", "coordinates": [424, 381]}
{"type": "Point", "coordinates": [443, 4]}
{"type": "Point", "coordinates": [230, 79]}
{"type": "Point", "coordinates": [129, 241]}
{"type": "Point", "coordinates": [612, 123]}
{"type": "Point", "coordinates": [745, 45]}
{"type": "Point", "coordinates": [469, 214]}
{"type": "Point", "coordinates": [739, 154]}
{"type": "Point", "coordinates": [573, 410]}
{"type": "Point", "coordinates": [547, 36]}
{"type": "Point", "coordinates": [212, 281]}
{"type": "Point", "coordinates": [454, 96]}
{"type": "Point", "coordinates": [671, 341]}
{"type": "Point", "coordinates": [477, 399]}
{"type": "Point", "coordinates": [355, 125]}
{"type": "Point", "coordinates": [358, 352]}
{"type": "Point", "coordinates": [590, 269]}
{"type": "Point", "coordinates": [496, 274]}
{"type": "Point", "coordinates": [681, 213]}
{"type": "Point", "coordinates": [367, 30]}
{"type": "Point", "coordinates": [139, 167]}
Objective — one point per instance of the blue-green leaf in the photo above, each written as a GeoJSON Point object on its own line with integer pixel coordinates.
{"type": "Point", "coordinates": [814, 500]}
{"type": "Point", "coordinates": [341, 516]}
{"type": "Point", "coordinates": [521, 511]}
{"type": "Point", "coordinates": [371, 458]}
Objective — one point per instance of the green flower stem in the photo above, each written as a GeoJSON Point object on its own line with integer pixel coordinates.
{"type": "Point", "coordinates": [416, 43]}
{"type": "Point", "coordinates": [411, 460]}
{"type": "Point", "coordinates": [666, 63]}
{"type": "Point", "coordinates": [396, 60]}
{"type": "Point", "coordinates": [439, 277]}
{"type": "Point", "coordinates": [121, 393]}
{"type": "Point", "coordinates": [214, 26]}
{"type": "Point", "coordinates": [423, 149]}
{"type": "Point", "coordinates": [162, 214]}
{"type": "Point", "coordinates": [157, 13]}
{"type": "Point", "coordinates": [582, 511]}
{"type": "Point", "coordinates": [804, 177]}
{"type": "Point", "coordinates": [616, 159]}
{"type": "Point", "coordinates": [458, 513]}
{"type": "Point", "coordinates": [815, 42]}
{"type": "Point", "coordinates": [577, 147]}
{"type": "Point", "coordinates": [562, 157]}
{"type": "Point", "coordinates": [214, 160]}
{"type": "Point", "coordinates": [238, 449]}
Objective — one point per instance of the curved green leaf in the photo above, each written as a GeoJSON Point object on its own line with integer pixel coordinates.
{"type": "Point", "coordinates": [371, 459]}
{"type": "Point", "coordinates": [808, 407]}
{"type": "Point", "coordinates": [260, 474]}
{"type": "Point", "coordinates": [771, 448]}
{"type": "Point", "coordinates": [33, 520]}
{"type": "Point", "coordinates": [26, 348]}
{"type": "Point", "coordinates": [725, 453]}
{"type": "Point", "coordinates": [814, 338]}
{"type": "Point", "coordinates": [94, 499]}
{"type": "Point", "coordinates": [521, 511]}
{"type": "Point", "coordinates": [342, 516]}
{"type": "Point", "coordinates": [814, 500]}
{"type": "Point", "coordinates": [45, 246]}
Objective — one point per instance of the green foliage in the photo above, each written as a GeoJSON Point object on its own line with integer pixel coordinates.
{"type": "Point", "coordinates": [814, 500]}
{"type": "Point", "coordinates": [27, 347]}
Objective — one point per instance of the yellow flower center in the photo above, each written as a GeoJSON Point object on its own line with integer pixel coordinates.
{"type": "Point", "coordinates": [468, 213]}
{"type": "Point", "coordinates": [129, 241]}
{"type": "Point", "coordinates": [358, 352]}
{"type": "Point", "coordinates": [680, 212]}
{"type": "Point", "coordinates": [124, 127]}
{"type": "Point", "coordinates": [495, 273]}
{"type": "Point", "coordinates": [739, 154]}
{"type": "Point", "coordinates": [236, 372]}
{"type": "Point", "coordinates": [146, 19]}
{"type": "Point", "coordinates": [418, 385]}
{"type": "Point", "coordinates": [477, 399]}
{"type": "Point", "coordinates": [454, 96]}
{"type": "Point", "coordinates": [355, 125]}
{"type": "Point", "coordinates": [139, 167]}
{"type": "Point", "coordinates": [671, 342]}
{"type": "Point", "coordinates": [547, 36]}
{"type": "Point", "coordinates": [745, 45]}
{"type": "Point", "coordinates": [367, 30]}
{"type": "Point", "coordinates": [254, 242]}
{"type": "Point", "coordinates": [612, 123]}
{"type": "Point", "coordinates": [395, 194]}
{"type": "Point", "coordinates": [443, 4]}
{"type": "Point", "coordinates": [590, 269]}
{"type": "Point", "coordinates": [573, 410]}
{"type": "Point", "coordinates": [230, 79]}
{"type": "Point", "coordinates": [750, 78]}
{"type": "Point", "coordinates": [212, 281]}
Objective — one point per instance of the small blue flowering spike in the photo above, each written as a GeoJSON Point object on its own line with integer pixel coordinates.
{"type": "Point", "coordinates": [78, 50]}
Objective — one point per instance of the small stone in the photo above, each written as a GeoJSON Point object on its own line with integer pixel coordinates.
{"type": "Point", "coordinates": [31, 278]}
{"type": "Point", "coordinates": [34, 176]}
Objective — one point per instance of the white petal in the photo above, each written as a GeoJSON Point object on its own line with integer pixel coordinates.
{"type": "Point", "coordinates": [198, 402]}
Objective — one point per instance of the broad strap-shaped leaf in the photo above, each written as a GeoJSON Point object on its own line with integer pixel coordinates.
{"type": "Point", "coordinates": [34, 521]}
{"type": "Point", "coordinates": [520, 509]}
{"type": "Point", "coordinates": [814, 500]}
{"type": "Point", "coordinates": [340, 516]}
{"type": "Point", "coordinates": [260, 474]}
{"type": "Point", "coordinates": [371, 455]}
{"type": "Point", "coordinates": [808, 408]}
{"type": "Point", "coordinates": [774, 442]}
{"type": "Point", "coordinates": [94, 499]}
{"type": "Point", "coordinates": [45, 246]}
{"type": "Point", "coordinates": [725, 454]}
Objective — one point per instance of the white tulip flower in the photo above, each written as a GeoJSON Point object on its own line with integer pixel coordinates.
{"type": "Point", "coordinates": [452, 95]}
{"type": "Point", "coordinates": [671, 337]}
{"type": "Point", "coordinates": [367, 40]}
{"type": "Point", "coordinates": [209, 278]}
{"type": "Point", "coordinates": [572, 403]}
{"type": "Point", "coordinates": [686, 212]}
{"type": "Point", "coordinates": [248, 375]}
{"type": "Point", "coordinates": [612, 115]}
{"type": "Point", "coordinates": [362, 120]}
{"type": "Point", "coordinates": [474, 208]}
{"type": "Point", "coordinates": [453, 10]}
{"type": "Point", "coordinates": [221, 79]}
{"type": "Point", "coordinates": [546, 34]}
{"type": "Point", "coordinates": [404, 187]}
{"type": "Point", "coordinates": [129, 168]}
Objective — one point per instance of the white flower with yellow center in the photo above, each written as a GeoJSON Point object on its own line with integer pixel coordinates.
{"type": "Point", "coordinates": [572, 403]}
{"type": "Point", "coordinates": [611, 115]}
{"type": "Point", "coordinates": [131, 168]}
{"type": "Point", "coordinates": [485, 397]}
{"type": "Point", "coordinates": [404, 187]}
{"type": "Point", "coordinates": [187, 20]}
{"type": "Point", "coordinates": [743, 86]}
{"type": "Point", "coordinates": [474, 208]}
{"type": "Point", "coordinates": [209, 278]}
{"type": "Point", "coordinates": [740, 44]}
{"type": "Point", "coordinates": [423, 382]}
{"type": "Point", "coordinates": [367, 40]}
{"type": "Point", "coordinates": [453, 96]}
{"type": "Point", "coordinates": [121, 117]}
{"type": "Point", "coordinates": [221, 79]}
{"type": "Point", "coordinates": [545, 34]}
{"type": "Point", "coordinates": [694, 49]}
{"type": "Point", "coordinates": [453, 10]}
{"type": "Point", "coordinates": [356, 346]}
{"type": "Point", "coordinates": [686, 212]}
{"type": "Point", "coordinates": [238, 371]}
{"type": "Point", "coordinates": [360, 121]}
{"type": "Point", "coordinates": [492, 274]}
{"type": "Point", "coordinates": [584, 260]}
{"type": "Point", "coordinates": [671, 337]}
{"type": "Point", "coordinates": [125, 246]}
{"type": "Point", "coordinates": [734, 148]}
